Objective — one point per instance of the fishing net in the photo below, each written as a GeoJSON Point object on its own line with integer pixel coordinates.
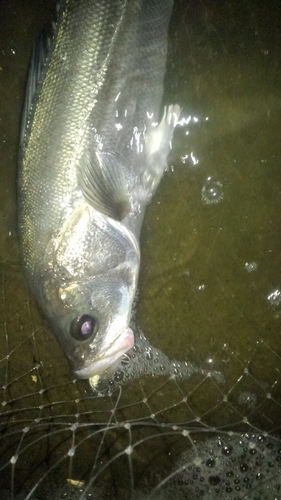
{"type": "Point", "coordinates": [194, 410]}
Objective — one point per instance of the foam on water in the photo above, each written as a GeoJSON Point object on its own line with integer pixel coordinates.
{"type": "Point", "coordinates": [144, 359]}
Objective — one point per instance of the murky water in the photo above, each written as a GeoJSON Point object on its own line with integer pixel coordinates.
{"type": "Point", "coordinates": [209, 288]}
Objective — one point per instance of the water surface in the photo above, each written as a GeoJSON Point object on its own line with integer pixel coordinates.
{"type": "Point", "coordinates": [209, 287]}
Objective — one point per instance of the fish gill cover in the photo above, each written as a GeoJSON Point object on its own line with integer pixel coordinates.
{"type": "Point", "coordinates": [194, 411]}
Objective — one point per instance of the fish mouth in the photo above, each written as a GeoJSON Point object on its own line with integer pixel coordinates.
{"type": "Point", "coordinates": [108, 357]}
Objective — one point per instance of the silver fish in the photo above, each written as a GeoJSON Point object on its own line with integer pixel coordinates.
{"type": "Point", "coordinates": [92, 154]}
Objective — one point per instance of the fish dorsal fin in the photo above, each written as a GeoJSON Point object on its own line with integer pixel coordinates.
{"type": "Point", "coordinates": [103, 183]}
{"type": "Point", "coordinates": [37, 69]}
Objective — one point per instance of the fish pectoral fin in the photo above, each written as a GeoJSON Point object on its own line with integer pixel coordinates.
{"type": "Point", "coordinates": [103, 183]}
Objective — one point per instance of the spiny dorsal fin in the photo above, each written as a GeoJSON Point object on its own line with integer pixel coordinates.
{"type": "Point", "coordinates": [37, 68]}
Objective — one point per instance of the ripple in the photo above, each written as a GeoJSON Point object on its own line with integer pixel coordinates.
{"type": "Point", "coordinates": [212, 191]}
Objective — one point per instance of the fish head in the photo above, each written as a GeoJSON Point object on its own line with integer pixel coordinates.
{"type": "Point", "coordinates": [91, 321]}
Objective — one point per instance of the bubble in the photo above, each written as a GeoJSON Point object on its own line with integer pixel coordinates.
{"type": "Point", "coordinates": [201, 287]}
{"type": "Point", "coordinates": [229, 473]}
{"type": "Point", "coordinates": [118, 376]}
{"type": "Point", "coordinates": [274, 298]}
{"type": "Point", "coordinates": [146, 359]}
{"type": "Point", "coordinates": [243, 467]}
{"type": "Point", "coordinates": [227, 450]}
{"type": "Point", "coordinates": [149, 355]}
{"type": "Point", "coordinates": [250, 266]}
{"type": "Point", "coordinates": [212, 191]}
{"type": "Point", "coordinates": [219, 476]}
{"type": "Point", "coordinates": [214, 480]}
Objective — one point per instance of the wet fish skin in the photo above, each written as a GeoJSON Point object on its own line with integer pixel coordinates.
{"type": "Point", "coordinates": [91, 159]}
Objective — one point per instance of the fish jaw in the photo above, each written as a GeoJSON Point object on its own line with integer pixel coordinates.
{"type": "Point", "coordinates": [108, 355]}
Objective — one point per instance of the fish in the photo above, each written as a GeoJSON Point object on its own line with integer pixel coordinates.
{"type": "Point", "coordinates": [94, 145]}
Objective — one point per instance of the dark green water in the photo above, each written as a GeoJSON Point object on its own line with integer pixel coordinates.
{"type": "Point", "coordinates": [210, 281]}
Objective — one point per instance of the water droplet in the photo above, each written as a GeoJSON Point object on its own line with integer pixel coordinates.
{"type": "Point", "coordinates": [212, 191]}
{"type": "Point", "coordinates": [71, 452]}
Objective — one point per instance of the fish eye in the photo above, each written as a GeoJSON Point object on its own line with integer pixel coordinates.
{"type": "Point", "coordinates": [83, 327]}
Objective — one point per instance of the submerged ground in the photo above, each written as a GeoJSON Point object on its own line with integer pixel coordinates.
{"type": "Point", "coordinates": [209, 288]}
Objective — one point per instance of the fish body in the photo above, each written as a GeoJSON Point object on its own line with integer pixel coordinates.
{"type": "Point", "coordinates": [93, 152]}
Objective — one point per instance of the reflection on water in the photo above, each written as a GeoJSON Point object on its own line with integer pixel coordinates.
{"type": "Point", "coordinates": [209, 291]}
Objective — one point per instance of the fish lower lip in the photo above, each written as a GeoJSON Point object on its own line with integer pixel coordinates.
{"type": "Point", "coordinates": [107, 358]}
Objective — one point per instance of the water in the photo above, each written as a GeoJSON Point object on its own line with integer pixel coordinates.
{"type": "Point", "coordinates": [209, 289]}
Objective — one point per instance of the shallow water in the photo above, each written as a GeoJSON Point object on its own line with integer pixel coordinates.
{"type": "Point", "coordinates": [209, 287]}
